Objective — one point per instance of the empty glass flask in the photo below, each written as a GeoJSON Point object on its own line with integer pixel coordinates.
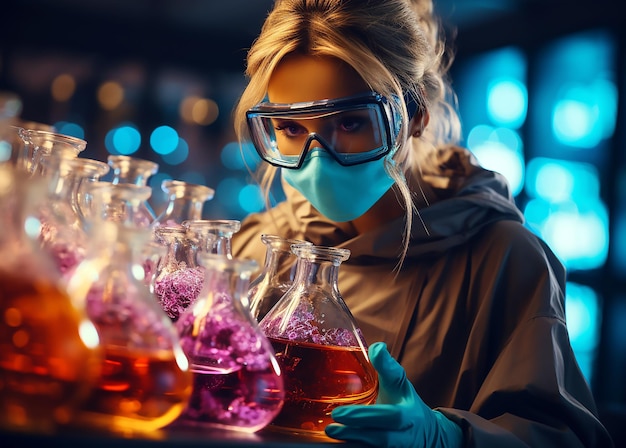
{"type": "Point", "coordinates": [49, 350]}
{"type": "Point", "coordinates": [237, 382]}
{"type": "Point", "coordinates": [40, 144]}
{"type": "Point", "coordinates": [318, 345]}
{"type": "Point", "coordinates": [223, 229]}
{"type": "Point", "coordinates": [145, 383]}
{"type": "Point", "coordinates": [184, 202]}
{"type": "Point", "coordinates": [275, 278]}
{"type": "Point", "coordinates": [132, 170]}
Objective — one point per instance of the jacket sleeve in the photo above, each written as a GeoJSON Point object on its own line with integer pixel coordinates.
{"type": "Point", "coordinates": [534, 393]}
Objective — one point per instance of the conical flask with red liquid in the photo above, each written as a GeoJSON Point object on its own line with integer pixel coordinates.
{"type": "Point", "coordinates": [318, 344]}
{"type": "Point", "coordinates": [49, 350]}
{"type": "Point", "coordinates": [145, 382]}
{"type": "Point", "coordinates": [237, 383]}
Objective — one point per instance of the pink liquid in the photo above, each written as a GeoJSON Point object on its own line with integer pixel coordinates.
{"type": "Point", "coordinates": [243, 399]}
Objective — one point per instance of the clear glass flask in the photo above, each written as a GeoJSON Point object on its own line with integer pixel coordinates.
{"type": "Point", "coordinates": [62, 220]}
{"type": "Point", "coordinates": [49, 350]}
{"type": "Point", "coordinates": [184, 202]}
{"type": "Point", "coordinates": [145, 382]}
{"type": "Point", "coordinates": [275, 278]}
{"type": "Point", "coordinates": [223, 229]}
{"type": "Point", "coordinates": [318, 345]}
{"type": "Point", "coordinates": [40, 144]}
{"type": "Point", "coordinates": [237, 382]}
{"type": "Point", "coordinates": [179, 278]}
{"type": "Point", "coordinates": [132, 170]}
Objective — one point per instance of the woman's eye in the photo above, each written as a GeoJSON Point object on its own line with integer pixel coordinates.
{"type": "Point", "coordinates": [290, 129]}
{"type": "Point", "coordinates": [351, 123]}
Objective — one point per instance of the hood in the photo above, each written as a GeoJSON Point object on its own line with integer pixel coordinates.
{"type": "Point", "coordinates": [466, 196]}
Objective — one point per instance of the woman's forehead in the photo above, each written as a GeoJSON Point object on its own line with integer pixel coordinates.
{"type": "Point", "coordinates": [300, 78]}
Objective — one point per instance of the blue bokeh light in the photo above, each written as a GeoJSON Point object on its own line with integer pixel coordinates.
{"type": "Point", "coordinates": [251, 198]}
{"type": "Point", "coordinates": [124, 139]}
{"type": "Point", "coordinates": [500, 150]}
{"type": "Point", "coordinates": [71, 129]}
{"type": "Point", "coordinates": [179, 155]}
{"type": "Point", "coordinates": [582, 314]}
{"type": "Point", "coordinates": [164, 140]}
{"type": "Point", "coordinates": [244, 158]}
{"type": "Point", "coordinates": [507, 102]}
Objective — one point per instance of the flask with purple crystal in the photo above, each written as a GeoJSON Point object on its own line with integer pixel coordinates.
{"type": "Point", "coordinates": [179, 278]}
{"type": "Point", "coordinates": [237, 382]}
{"type": "Point", "coordinates": [318, 344]}
{"type": "Point", "coordinates": [145, 382]}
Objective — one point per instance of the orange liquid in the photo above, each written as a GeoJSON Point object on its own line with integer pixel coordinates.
{"type": "Point", "coordinates": [137, 391]}
{"type": "Point", "coordinates": [318, 378]}
{"type": "Point", "coordinates": [46, 369]}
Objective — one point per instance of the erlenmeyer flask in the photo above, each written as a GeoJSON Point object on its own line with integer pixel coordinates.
{"type": "Point", "coordinates": [318, 345]}
{"type": "Point", "coordinates": [237, 383]}
{"type": "Point", "coordinates": [275, 278]}
{"type": "Point", "coordinates": [179, 278]}
{"type": "Point", "coordinates": [49, 350]}
{"type": "Point", "coordinates": [223, 229]}
{"type": "Point", "coordinates": [145, 383]}
{"type": "Point", "coordinates": [41, 144]}
{"type": "Point", "coordinates": [185, 202]}
{"type": "Point", "coordinates": [132, 170]}
{"type": "Point", "coordinates": [62, 233]}
{"type": "Point", "coordinates": [22, 152]}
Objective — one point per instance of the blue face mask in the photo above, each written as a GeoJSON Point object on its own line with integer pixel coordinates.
{"type": "Point", "coordinates": [341, 193]}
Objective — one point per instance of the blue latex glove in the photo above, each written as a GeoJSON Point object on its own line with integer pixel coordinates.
{"type": "Point", "coordinates": [399, 418]}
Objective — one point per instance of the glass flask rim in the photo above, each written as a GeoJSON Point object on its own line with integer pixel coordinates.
{"type": "Point", "coordinates": [90, 167]}
{"type": "Point", "coordinates": [77, 143]}
{"type": "Point", "coordinates": [314, 252]}
{"type": "Point", "coordinates": [179, 189]}
{"type": "Point", "coordinates": [121, 161]}
{"type": "Point", "coordinates": [224, 225]}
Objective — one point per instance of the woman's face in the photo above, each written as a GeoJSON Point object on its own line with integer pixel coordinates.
{"type": "Point", "coordinates": [301, 78]}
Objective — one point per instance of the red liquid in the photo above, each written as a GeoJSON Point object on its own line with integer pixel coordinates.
{"type": "Point", "coordinates": [318, 378]}
{"type": "Point", "coordinates": [45, 368]}
{"type": "Point", "coordinates": [137, 391]}
{"type": "Point", "coordinates": [243, 400]}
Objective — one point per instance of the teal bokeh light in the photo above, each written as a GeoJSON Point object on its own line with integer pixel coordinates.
{"type": "Point", "coordinates": [500, 150]}
{"type": "Point", "coordinates": [582, 314]}
{"type": "Point", "coordinates": [567, 211]}
{"type": "Point", "coordinates": [164, 140]}
{"type": "Point", "coordinates": [507, 102]}
{"type": "Point", "coordinates": [124, 139]}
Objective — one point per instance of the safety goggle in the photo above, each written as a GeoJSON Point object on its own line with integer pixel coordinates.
{"type": "Point", "coordinates": [355, 129]}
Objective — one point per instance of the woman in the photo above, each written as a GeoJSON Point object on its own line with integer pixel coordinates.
{"type": "Point", "coordinates": [349, 101]}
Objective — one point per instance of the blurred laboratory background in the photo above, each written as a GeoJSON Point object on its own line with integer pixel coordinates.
{"type": "Point", "coordinates": [540, 86]}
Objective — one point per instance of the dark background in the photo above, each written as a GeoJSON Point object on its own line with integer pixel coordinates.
{"type": "Point", "coordinates": [203, 43]}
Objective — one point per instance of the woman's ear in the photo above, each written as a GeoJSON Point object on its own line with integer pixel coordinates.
{"type": "Point", "coordinates": [419, 122]}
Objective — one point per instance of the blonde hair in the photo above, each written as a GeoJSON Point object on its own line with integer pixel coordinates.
{"type": "Point", "coordinates": [396, 46]}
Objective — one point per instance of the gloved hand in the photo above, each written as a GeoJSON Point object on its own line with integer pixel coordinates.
{"type": "Point", "coordinates": [399, 418]}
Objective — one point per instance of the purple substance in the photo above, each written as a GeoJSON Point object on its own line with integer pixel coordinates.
{"type": "Point", "coordinates": [176, 290]}
{"type": "Point", "coordinates": [235, 383]}
{"type": "Point", "coordinates": [126, 319]}
{"type": "Point", "coordinates": [302, 327]}
{"type": "Point", "coordinates": [66, 256]}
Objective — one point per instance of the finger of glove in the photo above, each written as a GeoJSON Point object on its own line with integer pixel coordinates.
{"type": "Point", "coordinates": [394, 387]}
{"type": "Point", "coordinates": [374, 437]}
{"type": "Point", "coordinates": [381, 416]}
